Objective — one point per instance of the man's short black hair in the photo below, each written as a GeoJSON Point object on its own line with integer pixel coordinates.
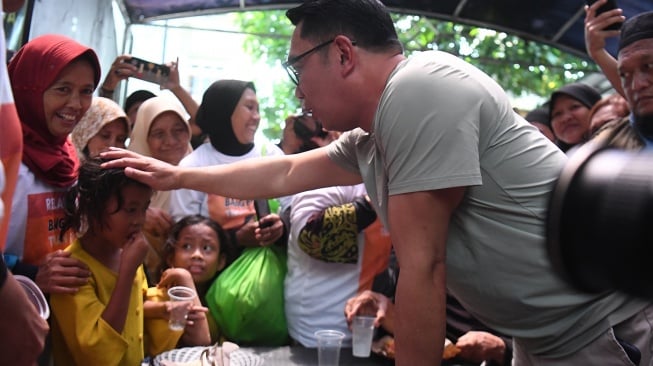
{"type": "Point", "coordinates": [367, 22]}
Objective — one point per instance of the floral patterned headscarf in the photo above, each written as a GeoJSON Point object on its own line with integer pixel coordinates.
{"type": "Point", "coordinates": [102, 112]}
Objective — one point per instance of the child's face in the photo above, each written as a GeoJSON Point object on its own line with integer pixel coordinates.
{"type": "Point", "coordinates": [123, 224]}
{"type": "Point", "coordinates": [198, 250]}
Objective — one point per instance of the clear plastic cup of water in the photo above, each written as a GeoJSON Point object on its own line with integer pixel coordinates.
{"type": "Point", "coordinates": [362, 331]}
{"type": "Point", "coordinates": [181, 300]}
{"type": "Point", "coordinates": [328, 347]}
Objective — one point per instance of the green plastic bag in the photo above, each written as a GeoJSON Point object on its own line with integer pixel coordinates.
{"type": "Point", "coordinates": [246, 300]}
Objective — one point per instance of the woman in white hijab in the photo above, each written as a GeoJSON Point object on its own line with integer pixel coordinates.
{"type": "Point", "coordinates": [161, 131]}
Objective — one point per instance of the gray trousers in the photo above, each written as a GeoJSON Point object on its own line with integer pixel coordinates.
{"type": "Point", "coordinates": [605, 350]}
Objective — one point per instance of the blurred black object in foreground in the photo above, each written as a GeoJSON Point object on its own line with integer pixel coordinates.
{"type": "Point", "coordinates": [600, 221]}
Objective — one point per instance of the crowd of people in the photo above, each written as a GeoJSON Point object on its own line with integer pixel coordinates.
{"type": "Point", "coordinates": [409, 190]}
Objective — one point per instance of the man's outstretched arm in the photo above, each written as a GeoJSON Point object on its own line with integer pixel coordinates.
{"type": "Point", "coordinates": [246, 179]}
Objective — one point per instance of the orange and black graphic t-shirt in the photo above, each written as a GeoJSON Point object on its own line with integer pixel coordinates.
{"type": "Point", "coordinates": [45, 217]}
{"type": "Point", "coordinates": [230, 213]}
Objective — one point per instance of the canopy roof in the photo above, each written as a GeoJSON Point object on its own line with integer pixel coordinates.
{"type": "Point", "coordinates": [555, 22]}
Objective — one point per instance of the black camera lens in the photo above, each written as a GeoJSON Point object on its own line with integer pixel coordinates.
{"type": "Point", "coordinates": [599, 234]}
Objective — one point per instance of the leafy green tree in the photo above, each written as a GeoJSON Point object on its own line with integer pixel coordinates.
{"type": "Point", "coordinates": [520, 66]}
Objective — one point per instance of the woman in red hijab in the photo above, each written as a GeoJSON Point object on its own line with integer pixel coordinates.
{"type": "Point", "coordinates": [52, 78]}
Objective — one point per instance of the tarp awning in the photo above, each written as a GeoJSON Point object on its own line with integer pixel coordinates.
{"type": "Point", "coordinates": [555, 22]}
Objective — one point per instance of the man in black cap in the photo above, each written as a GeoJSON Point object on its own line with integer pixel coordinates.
{"type": "Point", "coordinates": [634, 59]}
{"type": "Point", "coordinates": [631, 69]}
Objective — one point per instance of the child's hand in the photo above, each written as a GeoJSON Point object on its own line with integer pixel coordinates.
{"type": "Point", "coordinates": [196, 315]}
{"type": "Point", "coordinates": [134, 251]}
{"type": "Point", "coordinates": [176, 277]}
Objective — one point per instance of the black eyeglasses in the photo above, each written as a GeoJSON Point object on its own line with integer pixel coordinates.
{"type": "Point", "coordinates": [288, 65]}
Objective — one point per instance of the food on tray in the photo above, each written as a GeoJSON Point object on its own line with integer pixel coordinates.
{"type": "Point", "coordinates": [385, 346]}
{"type": "Point", "coordinates": [450, 350]}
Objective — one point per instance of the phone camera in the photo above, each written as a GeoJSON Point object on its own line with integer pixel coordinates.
{"type": "Point", "coordinates": [306, 127]}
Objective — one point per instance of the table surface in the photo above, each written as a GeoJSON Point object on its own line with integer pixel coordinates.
{"type": "Point", "coordinates": [300, 356]}
{"type": "Point", "coordinates": [296, 356]}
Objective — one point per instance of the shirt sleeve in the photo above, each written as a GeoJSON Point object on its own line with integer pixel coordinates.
{"type": "Point", "coordinates": [158, 336]}
{"type": "Point", "coordinates": [428, 128]}
{"type": "Point", "coordinates": [184, 202]}
{"type": "Point", "coordinates": [89, 338]}
{"type": "Point", "coordinates": [343, 150]}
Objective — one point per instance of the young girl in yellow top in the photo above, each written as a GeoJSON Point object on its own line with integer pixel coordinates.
{"type": "Point", "coordinates": [102, 323]}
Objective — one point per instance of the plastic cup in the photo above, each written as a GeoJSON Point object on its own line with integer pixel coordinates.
{"type": "Point", "coordinates": [35, 295]}
{"type": "Point", "coordinates": [181, 299]}
{"type": "Point", "coordinates": [362, 332]}
{"type": "Point", "coordinates": [328, 347]}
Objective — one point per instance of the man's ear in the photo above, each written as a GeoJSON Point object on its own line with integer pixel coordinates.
{"type": "Point", "coordinates": [345, 48]}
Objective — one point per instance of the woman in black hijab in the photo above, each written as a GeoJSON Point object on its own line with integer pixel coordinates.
{"type": "Point", "coordinates": [229, 115]}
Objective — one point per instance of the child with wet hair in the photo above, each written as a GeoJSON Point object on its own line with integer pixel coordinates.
{"type": "Point", "coordinates": [102, 322]}
{"type": "Point", "coordinates": [112, 319]}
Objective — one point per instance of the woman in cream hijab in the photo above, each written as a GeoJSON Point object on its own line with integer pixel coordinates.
{"type": "Point", "coordinates": [105, 124]}
{"type": "Point", "coordinates": [161, 131]}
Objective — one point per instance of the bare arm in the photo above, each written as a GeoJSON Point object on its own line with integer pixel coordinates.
{"type": "Point", "coordinates": [595, 41]}
{"type": "Point", "coordinates": [115, 314]}
{"type": "Point", "coordinates": [196, 332]}
{"type": "Point", "coordinates": [22, 330]}
{"type": "Point", "coordinates": [120, 70]}
{"type": "Point", "coordinates": [183, 95]}
{"type": "Point", "coordinates": [282, 175]}
{"type": "Point", "coordinates": [419, 225]}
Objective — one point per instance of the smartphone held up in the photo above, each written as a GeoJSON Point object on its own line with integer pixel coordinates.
{"type": "Point", "coordinates": [150, 71]}
{"type": "Point", "coordinates": [609, 5]}
{"type": "Point", "coordinates": [262, 208]}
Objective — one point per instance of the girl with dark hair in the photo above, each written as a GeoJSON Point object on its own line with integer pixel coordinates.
{"type": "Point", "coordinates": [102, 322]}
{"type": "Point", "coordinates": [115, 319]}
{"type": "Point", "coordinates": [199, 245]}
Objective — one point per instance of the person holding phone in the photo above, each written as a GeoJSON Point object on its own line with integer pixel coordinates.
{"type": "Point", "coordinates": [229, 114]}
{"type": "Point", "coordinates": [123, 69]}
{"type": "Point", "coordinates": [302, 132]}
{"type": "Point", "coordinates": [634, 132]}
{"type": "Point", "coordinates": [598, 27]}
{"type": "Point", "coordinates": [336, 248]}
